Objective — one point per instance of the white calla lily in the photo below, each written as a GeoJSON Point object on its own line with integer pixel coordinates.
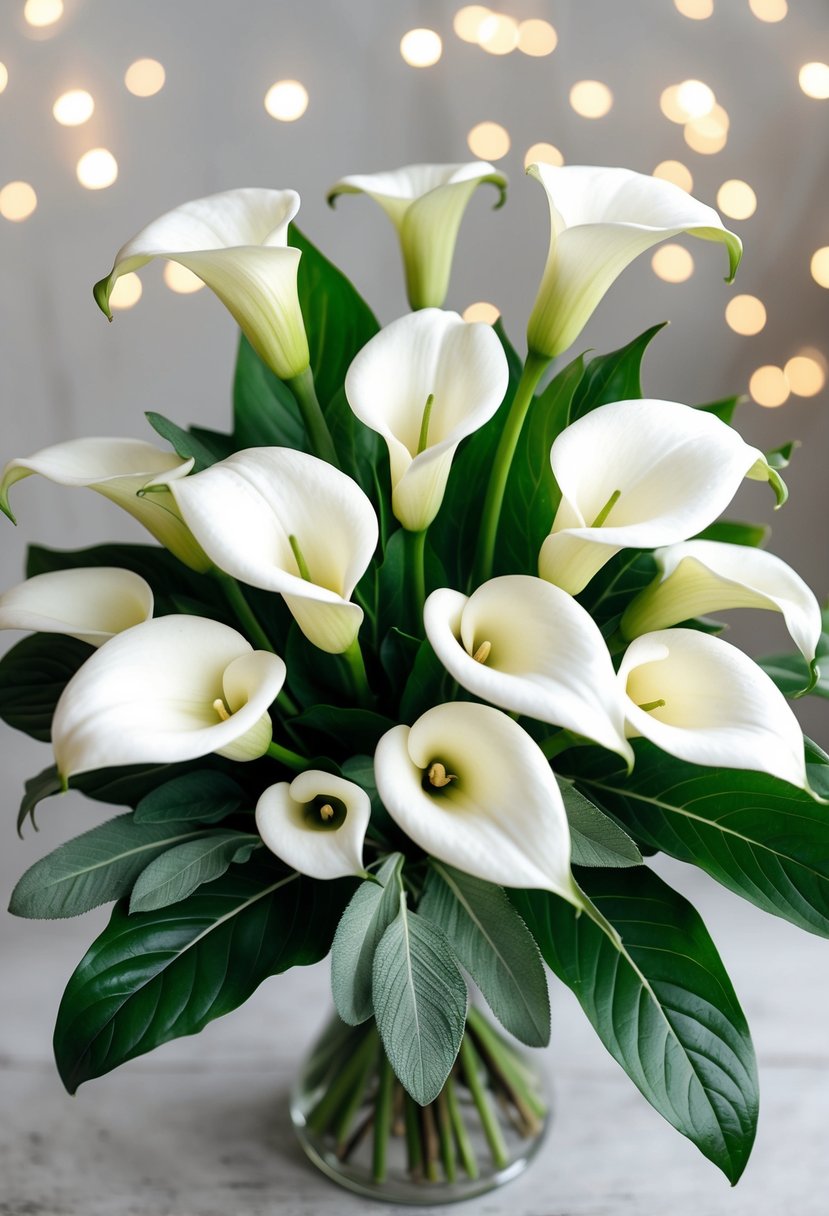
{"type": "Point", "coordinates": [119, 469]}
{"type": "Point", "coordinates": [90, 603]}
{"type": "Point", "coordinates": [527, 646]}
{"type": "Point", "coordinates": [316, 824]}
{"type": "Point", "coordinates": [601, 219]}
{"type": "Point", "coordinates": [287, 522]}
{"type": "Point", "coordinates": [471, 788]}
{"type": "Point", "coordinates": [174, 688]}
{"type": "Point", "coordinates": [424, 383]}
{"type": "Point", "coordinates": [237, 243]}
{"type": "Point", "coordinates": [703, 700]}
{"type": "Point", "coordinates": [640, 475]}
{"type": "Point", "coordinates": [426, 205]}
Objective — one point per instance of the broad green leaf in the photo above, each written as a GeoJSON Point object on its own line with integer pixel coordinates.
{"type": "Point", "coordinates": [156, 976]}
{"type": "Point", "coordinates": [33, 674]}
{"type": "Point", "coordinates": [493, 944]}
{"type": "Point", "coordinates": [781, 458]}
{"type": "Point", "coordinates": [373, 907]}
{"type": "Point", "coordinates": [613, 377]}
{"type": "Point", "coordinates": [724, 408]}
{"type": "Point", "coordinates": [420, 1001]}
{"type": "Point", "coordinates": [392, 605]}
{"type": "Point", "coordinates": [177, 873]}
{"type": "Point", "coordinates": [428, 684]}
{"type": "Point", "coordinates": [183, 443]}
{"type": "Point", "coordinates": [597, 840]}
{"type": "Point", "coordinates": [202, 795]}
{"type": "Point", "coordinates": [611, 590]}
{"type": "Point", "coordinates": [398, 652]}
{"type": "Point", "coordinates": [127, 786]}
{"type": "Point", "coordinates": [661, 1002]}
{"type": "Point", "coordinates": [734, 533]}
{"type": "Point", "coordinates": [98, 866]}
{"type": "Point", "coordinates": [360, 769]}
{"type": "Point", "coordinates": [346, 726]}
{"type": "Point", "coordinates": [362, 453]}
{"type": "Point", "coordinates": [315, 678]}
{"type": "Point", "coordinates": [265, 412]}
{"type": "Point", "coordinates": [36, 789]}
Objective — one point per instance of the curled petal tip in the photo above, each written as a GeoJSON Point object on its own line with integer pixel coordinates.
{"type": "Point", "coordinates": [101, 292]}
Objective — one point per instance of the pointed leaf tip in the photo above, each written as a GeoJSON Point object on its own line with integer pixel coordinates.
{"type": "Point", "coordinates": [101, 291]}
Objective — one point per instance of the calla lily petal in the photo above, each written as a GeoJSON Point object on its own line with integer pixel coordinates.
{"type": "Point", "coordinates": [91, 603]}
{"type": "Point", "coordinates": [469, 786]}
{"type": "Point", "coordinates": [174, 688]}
{"type": "Point", "coordinates": [120, 469]}
{"type": "Point", "coordinates": [426, 205]}
{"type": "Point", "coordinates": [527, 646]}
{"type": "Point", "coordinates": [638, 475]}
{"type": "Point", "coordinates": [237, 243]}
{"type": "Point", "coordinates": [255, 510]}
{"type": "Point", "coordinates": [424, 383]}
{"type": "Point", "coordinates": [316, 824]}
{"type": "Point", "coordinates": [703, 700]}
{"type": "Point", "coordinates": [601, 219]}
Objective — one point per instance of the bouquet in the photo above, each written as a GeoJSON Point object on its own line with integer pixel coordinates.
{"type": "Point", "coordinates": [421, 670]}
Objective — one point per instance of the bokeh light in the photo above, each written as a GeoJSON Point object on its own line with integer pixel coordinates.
{"type": "Point", "coordinates": [97, 169]}
{"type": "Point", "coordinates": [696, 98]}
{"type": "Point", "coordinates": [769, 10]}
{"type": "Point", "coordinates": [672, 263]}
{"type": "Point", "coordinates": [145, 77]}
{"type": "Point", "coordinates": [708, 134]}
{"type": "Point", "coordinates": [40, 13]}
{"type": "Point", "coordinates": [181, 280]}
{"type": "Point", "coordinates": [74, 108]}
{"type": "Point", "coordinates": [813, 79]}
{"type": "Point", "coordinates": [17, 201]}
{"type": "Point", "coordinates": [736, 199]}
{"type": "Point", "coordinates": [806, 373]}
{"type": "Point", "coordinates": [746, 315]}
{"type": "Point", "coordinates": [468, 21]}
{"type": "Point", "coordinates": [591, 98]}
{"type": "Point", "coordinates": [674, 171]}
{"type": "Point", "coordinates": [489, 140]}
{"type": "Point", "coordinates": [286, 100]}
{"type": "Point", "coordinates": [421, 48]}
{"type": "Point", "coordinates": [697, 10]}
{"type": "Point", "coordinates": [4, 76]}
{"type": "Point", "coordinates": [768, 386]}
{"type": "Point", "coordinates": [820, 266]}
{"type": "Point", "coordinates": [127, 291]}
{"type": "Point", "coordinates": [537, 37]}
{"type": "Point", "coordinates": [543, 154]}
{"type": "Point", "coordinates": [498, 34]}
{"type": "Point", "coordinates": [482, 311]}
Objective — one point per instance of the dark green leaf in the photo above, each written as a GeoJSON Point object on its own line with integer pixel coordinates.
{"type": "Point", "coordinates": [398, 652]}
{"type": "Point", "coordinates": [611, 590]}
{"type": "Point", "coordinates": [597, 839]}
{"type": "Point", "coordinates": [127, 786]}
{"type": "Point", "coordinates": [360, 769]}
{"type": "Point", "coordinates": [183, 443]}
{"type": "Point", "coordinates": [33, 674]}
{"type": "Point", "coordinates": [203, 795]}
{"type": "Point", "coordinates": [733, 533]}
{"type": "Point", "coordinates": [428, 684]}
{"type": "Point", "coordinates": [177, 873]}
{"type": "Point", "coordinates": [362, 453]}
{"type": "Point", "coordinates": [345, 726]}
{"type": "Point", "coordinates": [793, 675]}
{"type": "Point", "coordinates": [724, 408]}
{"type": "Point", "coordinates": [373, 907]}
{"type": "Point", "coordinates": [392, 606]}
{"type": "Point", "coordinates": [613, 377]}
{"type": "Point", "coordinates": [315, 677]}
{"type": "Point", "coordinates": [36, 789]}
{"type": "Point", "coordinates": [265, 412]}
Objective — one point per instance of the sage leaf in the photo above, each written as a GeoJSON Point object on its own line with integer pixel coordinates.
{"type": "Point", "coordinates": [373, 907]}
{"type": "Point", "coordinates": [177, 873]}
{"type": "Point", "coordinates": [597, 840]}
{"type": "Point", "coordinates": [203, 795]}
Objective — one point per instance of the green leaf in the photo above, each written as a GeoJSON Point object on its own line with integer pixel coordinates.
{"type": "Point", "coordinates": [202, 795]}
{"type": "Point", "coordinates": [177, 873]}
{"type": "Point", "coordinates": [265, 412]}
{"type": "Point", "coordinates": [724, 408]}
{"type": "Point", "coordinates": [156, 976]}
{"type": "Point", "coordinates": [419, 999]}
{"type": "Point", "coordinates": [661, 1002]}
{"type": "Point", "coordinates": [127, 786]}
{"type": "Point", "coordinates": [597, 840]}
{"type": "Point", "coordinates": [362, 454]}
{"type": "Point", "coordinates": [98, 866]}
{"type": "Point", "coordinates": [781, 458]}
{"type": "Point", "coordinates": [428, 684]}
{"type": "Point", "coordinates": [614, 586]}
{"type": "Point", "coordinates": [360, 769]}
{"type": "Point", "coordinates": [373, 907]}
{"type": "Point", "coordinates": [183, 443]}
{"type": "Point", "coordinates": [613, 377]}
{"type": "Point", "coordinates": [734, 533]}
{"type": "Point", "coordinates": [392, 604]}
{"type": "Point", "coordinates": [793, 675]}
{"type": "Point", "coordinates": [345, 726]}
{"type": "Point", "coordinates": [494, 945]}
{"type": "Point", "coordinates": [36, 789]}
{"type": "Point", "coordinates": [33, 674]}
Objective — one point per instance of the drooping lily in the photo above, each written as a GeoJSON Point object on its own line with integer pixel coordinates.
{"type": "Point", "coordinates": [287, 522]}
{"type": "Point", "coordinates": [237, 243]}
{"type": "Point", "coordinates": [120, 469]}
{"type": "Point", "coordinates": [601, 219]}
{"type": "Point", "coordinates": [639, 475]}
{"type": "Point", "coordinates": [424, 383]}
{"type": "Point", "coordinates": [527, 646]}
{"type": "Point", "coordinates": [174, 688]}
{"type": "Point", "coordinates": [471, 788]}
{"type": "Point", "coordinates": [316, 824]}
{"type": "Point", "coordinates": [703, 700]}
{"type": "Point", "coordinates": [426, 205]}
{"type": "Point", "coordinates": [90, 603]}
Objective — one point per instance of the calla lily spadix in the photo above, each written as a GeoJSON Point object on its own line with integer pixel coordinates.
{"type": "Point", "coordinates": [426, 205]}
{"type": "Point", "coordinates": [703, 700]}
{"type": "Point", "coordinates": [91, 603]}
{"type": "Point", "coordinates": [640, 475]}
{"type": "Point", "coordinates": [527, 646]}
{"type": "Point", "coordinates": [316, 824]}
{"type": "Point", "coordinates": [119, 469]}
{"type": "Point", "coordinates": [471, 787]}
{"type": "Point", "coordinates": [424, 383]}
{"type": "Point", "coordinates": [174, 688]}
{"type": "Point", "coordinates": [288, 522]}
{"type": "Point", "coordinates": [237, 243]}
{"type": "Point", "coordinates": [601, 219]}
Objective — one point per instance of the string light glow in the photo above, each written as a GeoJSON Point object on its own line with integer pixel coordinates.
{"type": "Point", "coordinates": [286, 100]}
{"type": "Point", "coordinates": [591, 98]}
{"type": "Point", "coordinates": [769, 387]}
{"type": "Point", "coordinates": [4, 76]}
{"type": "Point", "coordinates": [674, 171]}
{"type": "Point", "coordinates": [820, 266]}
{"type": "Point", "coordinates": [40, 13]}
{"type": "Point", "coordinates": [181, 280]}
{"type": "Point", "coordinates": [708, 134]}
{"type": "Point", "coordinates": [543, 154]}
{"type": "Point", "coordinates": [489, 141]}
{"type": "Point", "coordinates": [74, 108]}
{"type": "Point", "coordinates": [806, 373]}
{"type": "Point", "coordinates": [697, 10]}
{"type": "Point", "coordinates": [127, 291]}
{"type": "Point", "coordinates": [17, 201]}
{"type": "Point", "coordinates": [813, 79]}
{"type": "Point", "coordinates": [769, 10]}
{"type": "Point", "coordinates": [736, 199]}
{"type": "Point", "coordinates": [97, 169]}
{"type": "Point", "coordinates": [746, 315]}
{"type": "Point", "coordinates": [468, 21]}
{"type": "Point", "coordinates": [482, 311]}
{"type": "Point", "coordinates": [498, 34]}
{"type": "Point", "coordinates": [145, 77]}
{"type": "Point", "coordinates": [421, 48]}
{"type": "Point", "coordinates": [672, 263]}
{"type": "Point", "coordinates": [696, 98]}
{"type": "Point", "coordinates": [537, 37]}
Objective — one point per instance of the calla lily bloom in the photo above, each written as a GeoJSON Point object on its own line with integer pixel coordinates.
{"type": "Point", "coordinates": [237, 243]}
{"type": "Point", "coordinates": [91, 603]}
{"type": "Point", "coordinates": [639, 475]}
{"type": "Point", "coordinates": [601, 219]}
{"type": "Point", "coordinates": [701, 576]}
{"type": "Point", "coordinates": [120, 469]}
{"type": "Point", "coordinates": [703, 700]}
{"type": "Point", "coordinates": [424, 383]}
{"type": "Point", "coordinates": [471, 788]}
{"type": "Point", "coordinates": [426, 205]}
{"type": "Point", "coordinates": [172, 689]}
{"type": "Point", "coordinates": [285, 521]}
{"type": "Point", "coordinates": [529, 647]}
{"type": "Point", "coordinates": [316, 824]}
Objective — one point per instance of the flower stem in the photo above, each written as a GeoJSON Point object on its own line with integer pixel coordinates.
{"type": "Point", "coordinates": [244, 613]}
{"type": "Point", "coordinates": [350, 1109]}
{"type": "Point", "coordinates": [383, 1119]}
{"type": "Point", "coordinates": [465, 1149]}
{"type": "Point", "coordinates": [323, 1114]}
{"type": "Point", "coordinates": [413, 1145]}
{"type": "Point", "coordinates": [447, 1142]}
{"type": "Point", "coordinates": [322, 445]}
{"type": "Point", "coordinates": [416, 543]}
{"type": "Point", "coordinates": [533, 370]}
{"type": "Point", "coordinates": [470, 1064]}
{"type": "Point", "coordinates": [288, 758]}
{"type": "Point", "coordinates": [354, 657]}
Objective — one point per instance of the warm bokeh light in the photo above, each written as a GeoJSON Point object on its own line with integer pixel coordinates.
{"type": "Point", "coordinates": [421, 48]}
{"type": "Point", "coordinates": [489, 141]}
{"type": "Point", "coordinates": [768, 386]}
{"type": "Point", "coordinates": [482, 311]}
{"type": "Point", "coordinates": [17, 201]}
{"type": "Point", "coordinates": [468, 21]}
{"type": "Point", "coordinates": [97, 169]}
{"type": "Point", "coordinates": [498, 34]}
{"type": "Point", "coordinates": [746, 315]}
{"type": "Point", "coordinates": [537, 37]}
{"type": "Point", "coordinates": [806, 373]}
{"type": "Point", "coordinates": [181, 280]}
{"type": "Point", "coordinates": [673, 263]}
{"type": "Point", "coordinates": [543, 154]}
{"type": "Point", "coordinates": [591, 98]}
{"type": "Point", "coordinates": [145, 77]}
{"type": "Point", "coordinates": [40, 13]}
{"type": "Point", "coordinates": [769, 10]}
{"type": "Point", "coordinates": [736, 199]}
{"type": "Point", "coordinates": [126, 292]}
{"type": "Point", "coordinates": [286, 100]}
{"type": "Point", "coordinates": [669, 104]}
{"type": "Point", "coordinates": [708, 134]}
{"type": "Point", "coordinates": [696, 98]}
{"type": "Point", "coordinates": [697, 10]}
{"type": "Point", "coordinates": [74, 108]}
{"type": "Point", "coordinates": [820, 266]}
{"type": "Point", "coordinates": [4, 76]}
{"type": "Point", "coordinates": [674, 171]}
{"type": "Point", "coordinates": [813, 79]}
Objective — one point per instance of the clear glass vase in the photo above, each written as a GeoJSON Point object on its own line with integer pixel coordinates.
{"type": "Point", "coordinates": [357, 1124]}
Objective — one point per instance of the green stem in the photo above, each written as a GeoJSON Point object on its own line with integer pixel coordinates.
{"type": "Point", "coordinates": [324, 1113]}
{"type": "Point", "coordinates": [465, 1149]}
{"type": "Point", "coordinates": [288, 758]}
{"type": "Point", "coordinates": [430, 1143]}
{"type": "Point", "coordinates": [354, 657]}
{"type": "Point", "coordinates": [236, 598]}
{"type": "Point", "coordinates": [416, 543]}
{"type": "Point", "coordinates": [470, 1064]}
{"type": "Point", "coordinates": [534, 369]}
{"type": "Point", "coordinates": [414, 1149]}
{"type": "Point", "coordinates": [383, 1119]}
{"type": "Point", "coordinates": [447, 1142]}
{"type": "Point", "coordinates": [322, 445]}
{"type": "Point", "coordinates": [510, 1071]}
{"type": "Point", "coordinates": [287, 703]}
{"type": "Point", "coordinates": [367, 1057]}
